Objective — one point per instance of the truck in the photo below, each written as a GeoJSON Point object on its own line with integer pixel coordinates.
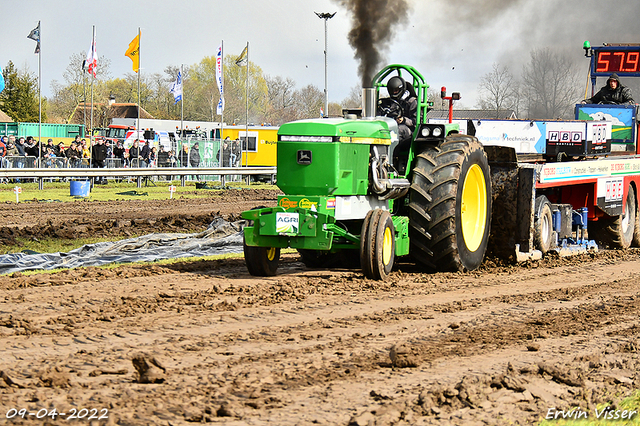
{"type": "Point", "coordinates": [352, 194]}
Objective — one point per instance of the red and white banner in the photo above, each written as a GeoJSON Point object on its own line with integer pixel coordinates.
{"type": "Point", "coordinates": [92, 57]}
{"type": "Point", "coordinates": [219, 79]}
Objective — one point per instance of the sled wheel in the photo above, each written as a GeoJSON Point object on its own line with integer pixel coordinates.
{"type": "Point", "coordinates": [378, 253]}
{"type": "Point", "coordinates": [543, 225]}
{"type": "Point", "coordinates": [636, 228]}
{"type": "Point", "coordinates": [617, 232]}
{"type": "Point", "coordinates": [450, 205]}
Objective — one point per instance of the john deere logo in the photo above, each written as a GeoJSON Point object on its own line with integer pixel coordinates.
{"type": "Point", "coordinates": [304, 156]}
{"type": "Point", "coordinates": [287, 223]}
{"type": "Point", "coordinates": [287, 204]}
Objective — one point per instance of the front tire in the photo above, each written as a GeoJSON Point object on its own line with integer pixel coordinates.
{"type": "Point", "coordinates": [450, 205]}
{"type": "Point", "coordinates": [261, 261]}
{"type": "Point", "coordinates": [377, 245]}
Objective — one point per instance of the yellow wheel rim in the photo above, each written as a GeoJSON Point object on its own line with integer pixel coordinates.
{"type": "Point", "coordinates": [474, 208]}
{"type": "Point", "coordinates": [387, 246]}
{"type": "Point", "coordinates": [271, 253]}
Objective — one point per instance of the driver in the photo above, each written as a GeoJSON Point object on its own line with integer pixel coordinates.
{"type": "Point", "coordinates": [397, 88]}
{"type": "Point", "coordinates": [612, 93]}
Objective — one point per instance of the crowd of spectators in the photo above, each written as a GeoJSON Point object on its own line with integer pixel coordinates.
{"type": "Point", "coordinates": [25, 153]}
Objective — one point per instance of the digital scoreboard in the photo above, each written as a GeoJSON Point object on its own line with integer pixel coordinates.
{"type": "Point", "coordinates": [622, 60]}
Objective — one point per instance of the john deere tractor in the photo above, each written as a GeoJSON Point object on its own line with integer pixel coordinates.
{"type": "Point", "coordinates": [352, 194]}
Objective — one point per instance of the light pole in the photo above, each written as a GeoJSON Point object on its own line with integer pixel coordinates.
{"type": "Point", "coordinates": [326, 17]}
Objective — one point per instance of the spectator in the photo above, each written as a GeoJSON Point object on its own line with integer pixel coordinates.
{"type": "Point", "coordinates": [144, 153]}
{"type": "Point", "coordinates": [194, 158]}
{"type": "Point", "coordinates": [134, 154]}
{"type": "Point", "coordinates": [183, 156]}
{"type": "Point", "coordinates": [3, 147]}
{"type": "Point", "coordinates": [73, 155]}
{"type": "Point", "coordinates": [172, 160]}
{"type": "Point", "coordinates": [46, 147]}
{"type": "Point", "coordinates": [119, 151]}
{"type": "Point", "coordinates": [49, 158]}
{"type": "Point", "coordinates": [31, 147]}
{"type": "Point", "coordinates": [223, 159]}
{"type": "Point", "coordinates": [11, 150]}
{"type": "Point", "coordinates": [98, 156]}
{"type": "Point", "coordinates": [163, 157]}
{"type": "Point", "coordinates": [86, 152]}
{"type": "Point", "coordinates": [236, 153]}
{"type": "Point", "coordinates": [109, 146]}
{"type": "Point", "coordinates": [60, 150]}
{"type": "Point", "coordinates": [153, 157]}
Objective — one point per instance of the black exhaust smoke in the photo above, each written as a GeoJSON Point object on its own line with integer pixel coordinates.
{"type": "Point", "coordinates": [374, 22]}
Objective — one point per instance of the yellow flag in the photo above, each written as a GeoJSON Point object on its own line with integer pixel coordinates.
{"type": "Point", "coordinates": [133, 52]}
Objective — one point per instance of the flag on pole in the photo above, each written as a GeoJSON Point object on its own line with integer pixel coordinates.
{"type": "Point", "coordinates": [92, 57]}
{"type": "Point", "coordinates": [176, 88]}
{"type": "Point", "coordinates": [1, 80]}
{"type": "Point", "coordinates": [242, 60]}
{"type": "Point", "coordinates": [220, 108]}
{"type": "Point", "coordinates": [133, 52]}
{"type": "Point", "coordinates": [35, 35]}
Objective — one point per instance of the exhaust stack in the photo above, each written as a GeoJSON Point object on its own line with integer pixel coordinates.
{"type": "Point", "coordinates": [368, 102]}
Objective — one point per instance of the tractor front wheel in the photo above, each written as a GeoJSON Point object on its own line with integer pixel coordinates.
{"type": "Point", "coordinates": [261, 261]}
{"type": "Point", "coordinates": [377, 245]}
{"type": "Point", "coordinates": [450, 205]}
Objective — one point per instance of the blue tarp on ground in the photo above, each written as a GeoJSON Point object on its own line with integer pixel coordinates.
{"type": "Point", "coordinates": [220, 238]}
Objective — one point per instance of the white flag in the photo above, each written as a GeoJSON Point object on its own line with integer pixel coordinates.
{"type": "Point", "coordinates": [176, 89]}
{"type": "Point", "coordinates": [220, 108]}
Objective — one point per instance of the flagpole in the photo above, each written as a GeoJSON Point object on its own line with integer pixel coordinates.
{"type": "Point", "coordinates": [221, 94]}
{"type": "Point", "coordinates": [39, 99]}
{"type": "Point", "coordinates": [181, 98]}
{"type": "Point", "coordinates": [246, 95]}
{"type": "Point", "coordinates": [139, 49]}
{"type": "Point", "coordinates": [93, 40]}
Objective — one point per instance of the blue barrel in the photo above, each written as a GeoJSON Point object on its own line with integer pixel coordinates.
{"type": "Point", "coordinates": [80, 188]}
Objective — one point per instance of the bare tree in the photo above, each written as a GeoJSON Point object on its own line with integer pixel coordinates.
{"type": "Point", "coordinates": [309, 101]}
{"type": "Point", "coordinates": [280, 100]}
{"type": "Point", "coordinates": [354, 98]}
{"type": "Point", "coordinates": [498, 90]}
{"type": "Point", "coordinates": [550, 83]}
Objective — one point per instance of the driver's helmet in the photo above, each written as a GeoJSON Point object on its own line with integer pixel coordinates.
{"type": "Point", "coordinates": [396, 87]}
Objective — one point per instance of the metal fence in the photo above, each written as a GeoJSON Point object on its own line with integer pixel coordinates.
{"type": "Point", "coordinates": [139, 174]}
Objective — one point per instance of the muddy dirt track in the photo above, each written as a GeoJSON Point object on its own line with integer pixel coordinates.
{"type": "Point", "coordinates": [202, 341]}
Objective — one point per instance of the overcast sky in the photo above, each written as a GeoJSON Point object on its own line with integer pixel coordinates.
{"type": "Point", "coordinates": [452, 43]}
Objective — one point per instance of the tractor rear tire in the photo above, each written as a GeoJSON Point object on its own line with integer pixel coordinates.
{"type": "Point", "coordinates": [450, 205]}
{"type": "Point", "coordinates": [543, 225]}
{"type": "Point", "coordinates": [617, 232]}
{"type": "Point", "coordinates": [377, 245]}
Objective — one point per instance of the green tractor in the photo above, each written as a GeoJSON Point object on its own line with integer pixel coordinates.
{"type": "Point", "coordinates": [352, 194]}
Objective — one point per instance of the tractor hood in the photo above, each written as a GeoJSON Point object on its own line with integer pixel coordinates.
{"type": "Point", "coordinates": [380, 130]}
